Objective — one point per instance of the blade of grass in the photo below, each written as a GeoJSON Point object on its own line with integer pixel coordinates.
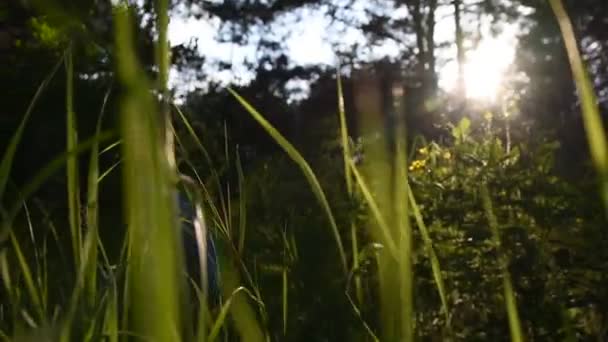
{"type": "Point", "coordinates": [92, 208]}
{"type": "Point", "coordinates": [509, 293]}
{"type": "Point", "coordinates": [111, 320]}
{"type": "Point", "coordinates": [108, 171]}
{"type": "Point", "coordinates": [306, 169]}
{"type": "Point", "coordinates": [30, 285]}
{"type": "Point", "coordinates": [42, 176]}
{"type": "Point", "coordinates": [194, 137]}
{"type": "Point", "coordinates": [73, 188]}
{"type": "Point", "coordinates": [215, 176]}
{"type": "Point", "coordinates": [9, 154]}
{"type": "Point", "coordinates": [435, 266]}
{"type": "Point", "coordinates": [148, 178]}
{"type": "Point", "coordinates": [89, 250]}
{"type": "Point", "coordinates": [221, 318]}
{"type": "Point", "coordinates": [242, 204]}
{"type": "Point", "coordinates": [403, 226]}
{"type": "Point", "coordinates": [596, 135]}
{"type": "Point", "coordinates": [349, 182]}
{"type": "Point", "coordinates": [375, 210]}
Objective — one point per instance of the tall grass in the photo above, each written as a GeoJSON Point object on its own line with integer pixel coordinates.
{"type": "Point", "coordinates": [73, 187]}
{"type": "Point", "coordinates": [594, 127]}
{"type": "Point", "coordinates": [149, 178]}
{"type": "Point", "coordinates": [304, 166]}
{"type": "Point", "coordinates": [509, 293]}
{"type": "Point", "coordinates": [152, 293]}
{"type": "Point", "coordinates": [7, 221]}
{"type": "Point", "coordinates": [393, 228]}
{"type": "Point", "coordinates": [348, 179]}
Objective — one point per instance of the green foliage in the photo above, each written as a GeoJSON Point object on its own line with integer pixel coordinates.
{"type": "Point", "coordinates": [503, 246]}
{"type": "Point", "coordinates": [47, 34]}
{"type": "Point", "coordinates": [594, 127]}
{"type": "Point", "coordinates": [535, 214]}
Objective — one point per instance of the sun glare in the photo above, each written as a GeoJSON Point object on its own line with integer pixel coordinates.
{"type": "Point", "coordinates": [484, 71]}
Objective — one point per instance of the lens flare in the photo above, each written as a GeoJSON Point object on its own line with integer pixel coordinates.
{"type": "Point", "coordinates": [484, 70]}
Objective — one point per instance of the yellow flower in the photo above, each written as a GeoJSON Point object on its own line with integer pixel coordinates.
{"type": "Point", "coordinates": [447, 155]}
{"type": "Point", "coordinates": [423, 151]}
{"type": "Point", "coordinates": [488, 115]}
{"type": "Point", "coordinates": [417, 164]}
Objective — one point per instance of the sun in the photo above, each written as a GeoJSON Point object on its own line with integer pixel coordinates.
{"type": "Point", "coordinates": [485, 69]}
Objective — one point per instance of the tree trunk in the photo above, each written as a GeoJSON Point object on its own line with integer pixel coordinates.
{"type": "Point", "coordinates": [430, 52]}
{"type": "Point", "coordinates": [420, 41]}
{"type": "Point", "coordinates": [461, 88]}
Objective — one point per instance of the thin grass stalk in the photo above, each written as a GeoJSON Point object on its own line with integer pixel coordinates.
{"type": "Point", "coordinates": [39, 270]}
{"type": "Point", "coordinates": [221, 318]}
{"type": "Point", "coordinates": [346, 155]}
{"type": "Point", "coordinates": [88, 251]}
{"type": "Point", "coordinates": [211, 167]}
{"type": "Point", "coordinates": [509, 293]}
{"type": "Point", "coordinates": [596, 134]}
{"type": "Point", "coordinates": [9, 154]}
{"type": "Point", "coordinates": [30, 285]}
{"type": "Point", "coordinates": [242, 204]}
{"type": "Point", "coordinates": [242, 313]}
{"type": "Point", "coordinates": [198, 143]}
{"type": "Point", "coordinates": [107, 171]}
{"type": "Point", "coordinates": [285, 294]}
{"type": "Point", "coordinates": [200, 232]}
{"type": "Point", "coordinates": [435, 266]}
{"type": "Point", "coordinates": [111, 321]}
{"type": "Point", "coordinates": [150, 201]}
{"type": "Point", "coordinates": [385, 234]}
{"type": "Point", "coordinates": [402, 221]}
{"type": "Point", "coordinates": [42, 176]}
{"type": "Point", "coordinates": [163, 61]}
{"type": "Point", "coordinates": [306, 169]}
{"type": "Point", "coordinates": [225, 199]}
{"type": "Point", "coordinates": [92, 209]}
{"type": "Point", "coordinates": [73, 181]}
{"type": "Point", "coordinates": [357, 311]}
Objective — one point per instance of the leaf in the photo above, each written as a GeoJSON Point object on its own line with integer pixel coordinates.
{"type": "Point", "coordinates": [306, 169]}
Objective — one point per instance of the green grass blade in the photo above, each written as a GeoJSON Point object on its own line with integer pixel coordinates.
{"type": "Point", "coordinates": [242, 204]}
{"type": "Point", "coordinates": [221, 318]}
{"type": "Point", "coordinates": [219, 218]}
{"type": "Point", "coordinates": [89, 250]}
{"type": "Point", "coordinates": [73, 188]}
{"type": "Point", "coordinates": [28, 278]}
{"type": "Point", "coordinates": [108, 171]}
{"type": "Point", "coordinates": [285, 295]}
{"type": "Point", "coordinates": [509, 293]}
{"type": "Point", "coordinates": [149, 179]}
{"type": "Point", "coordinates": [349, 182]}
{"type": "Point", "coordinates": [596, 134]}
{"type": "Point", "coordinates": [344, 136]}
{"type": "Point", "coordinates": [404, 231]}
{"type": "Point", "coordinates": [92, 208]}
{"type": "Point", "coordinates": [9, 154]}
{"type": "Point", "coordinates": [42, 176]}
{"type": "Point", "coordinates": [385, 237]}
{"type": "Point", "coordinates": [194, 137]}
{"type": "Point", "coordinates": [435, 266]}
{"type": "Point", "coordinates": [111, 320]}
{"type": "Point", "coordinates": [306, 169]}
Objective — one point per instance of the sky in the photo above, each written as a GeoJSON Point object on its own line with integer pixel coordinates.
{"type": "Point", "coordinates": [309, 38]}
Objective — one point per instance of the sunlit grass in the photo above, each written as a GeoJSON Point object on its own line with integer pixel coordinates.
{"type": "Point", "coordinates": [304, 166]}
{"type": "Point", "coordinates": [149, 179]}
{"type": "Point", "coordinates": [509, 293]}
{"type": "Point", "coordinates": [146, 301]}
{"type": "Point", "coordinates": [594, 127]}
